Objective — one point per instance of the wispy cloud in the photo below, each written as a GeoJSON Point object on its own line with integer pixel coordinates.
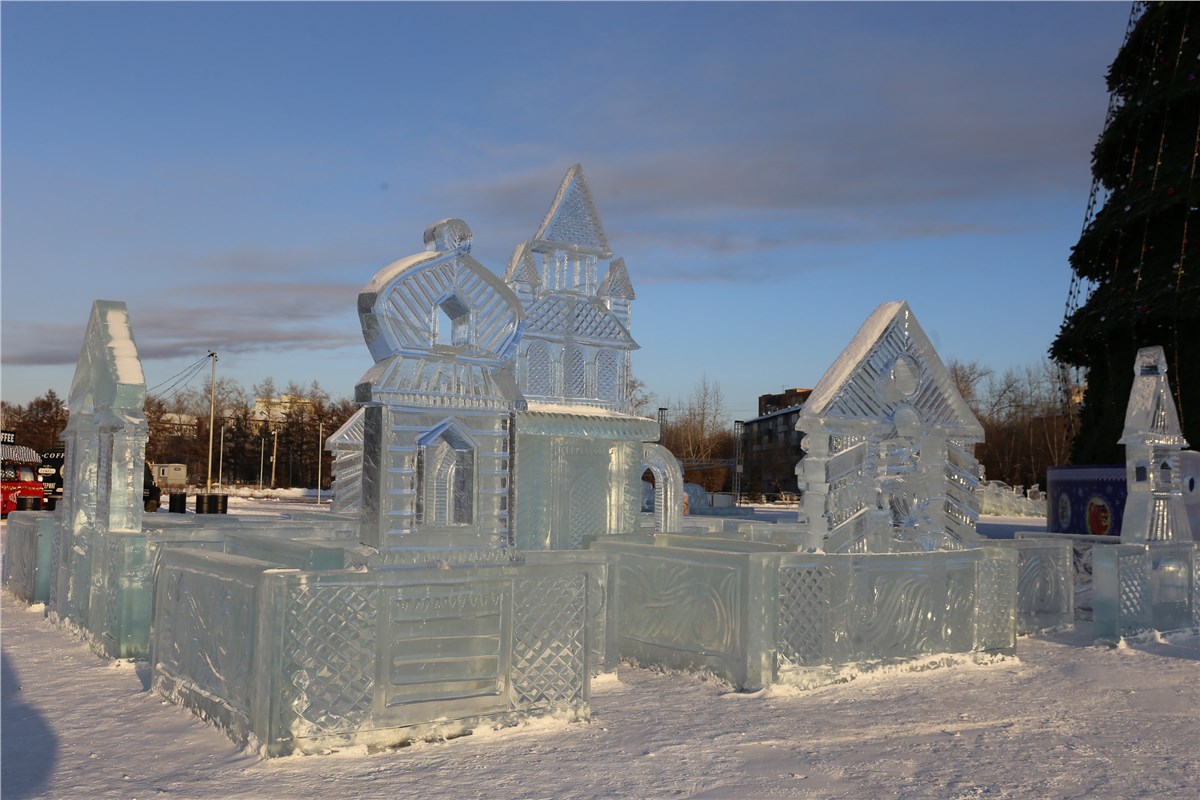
{"type": "Point", "coordinates": [246, 317]}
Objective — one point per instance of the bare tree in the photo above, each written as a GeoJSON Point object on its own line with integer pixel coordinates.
{"type": "Point", "coordinates": [698, 433]}
{"type": "Point", "coordinates": [640, 400]}
{"type": "Point", "coordinates": [1025, 430]}
{"type": "Point", "coordinates": [967, 377]}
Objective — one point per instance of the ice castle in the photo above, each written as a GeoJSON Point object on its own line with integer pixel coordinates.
{"type": "Point", "coordinates": [485, 554]}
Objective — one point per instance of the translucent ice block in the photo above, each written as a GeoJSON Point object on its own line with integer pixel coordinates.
{"type": "Point", "coordinates": [299, 660]}
{"type": "Point", "coordinates": [28, 551]}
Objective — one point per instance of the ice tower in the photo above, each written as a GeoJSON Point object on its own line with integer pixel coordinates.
{"type": "Point", "coordinates": [576, 344]}
{"type": "Point", "coordinates": [580, 454]}
{"type": "Point", "coordinates": [1149, 581]}
{"type": "Point", "coordinates": [1154, 510]}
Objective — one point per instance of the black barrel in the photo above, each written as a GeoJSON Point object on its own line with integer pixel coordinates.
{"type": "Point", "coordinates": [212, 503]}
{"type": "Point", "coordinates": [177, 503]}
{"type": "Point", "coordinates": [29, 503]}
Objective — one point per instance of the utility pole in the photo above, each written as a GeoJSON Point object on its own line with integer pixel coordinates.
{"type": "Point", "coordinates": [262, 449]}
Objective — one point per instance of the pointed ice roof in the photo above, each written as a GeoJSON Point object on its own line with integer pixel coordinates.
{"type": "Point", "coordinates": [572, 223]}
{"type": "Point", "coordinates": [521, 267]}
{"type": "Point", "coordinates": [108, 376]}
{"type": "Point", "coordinates": [890, 363]}
{"type": "Point", "coordinates": [616, 283]}
{"type": "Point", "coordinates": [350, 434]}
{"type": "Point", "coordinates": [1150, 416]}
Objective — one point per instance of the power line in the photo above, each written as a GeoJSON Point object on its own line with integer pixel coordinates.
{"type": "Point", "coordinates": [182, 378]}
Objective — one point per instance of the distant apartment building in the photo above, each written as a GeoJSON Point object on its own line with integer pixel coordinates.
{"type": "Point", "coordinates": [274, 409]}
{"type": "Point", "coordinates": [771, 446]}
{"type": "Point", "coordinates": [171, 424]}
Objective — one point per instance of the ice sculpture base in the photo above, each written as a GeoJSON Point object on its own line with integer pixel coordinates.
{"type": "Point", "coordinates": [296, 661]}
{"type": "Point", "coordinates": [1138, 588]}
{"type": "Point", "coordinates": [108, 593]}
{"type": "Point", "coordinates": [755, 614]}
{"type": "Point", "coordinates": [28, 554]}
{"type": "Point", "coordinates": [1045, 583]}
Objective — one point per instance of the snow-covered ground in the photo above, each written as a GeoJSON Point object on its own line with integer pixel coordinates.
{"type": "Point", "coordinates": [1062, 719]}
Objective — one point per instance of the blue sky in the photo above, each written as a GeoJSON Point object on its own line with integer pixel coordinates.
{"type": "Point", "coordinates": [771, 172]}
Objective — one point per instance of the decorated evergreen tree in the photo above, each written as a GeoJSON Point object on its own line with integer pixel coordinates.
{"type": "Point", "coordinates": [1140, 253]}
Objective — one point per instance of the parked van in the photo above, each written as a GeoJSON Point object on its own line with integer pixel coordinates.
{"type": "Point", "coordinates": [19, 480]}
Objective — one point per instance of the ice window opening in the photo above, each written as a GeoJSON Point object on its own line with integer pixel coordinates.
{"type": "Point", "coordinates": [445, 479]}
{"type": "Point", "coordinates": [452, 323]}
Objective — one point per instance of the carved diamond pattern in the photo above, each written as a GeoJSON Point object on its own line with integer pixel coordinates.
{"type": "Point", "coordinates": [994, 580]}
{"type": "Point", "coordinates": [801, 616]}
{"type": "Point", "coordinates": [540, 381]}
{"type": "Point", "coordinates": [549, 643]}
{"type": "Point", "coordinates": [606, 376]}
{"type": "Point", "coordinates": [330, 646]}
{"type": "Point", "coordinates": [1135, 587]}
{"type": "Point", "coordinates": [586, 511]}
{"type": "Point", "coordinates": [576, 371]}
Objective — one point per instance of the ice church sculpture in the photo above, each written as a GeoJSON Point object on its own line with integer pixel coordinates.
{"type": "Point", "coordinates": [565, 371]}
{"type": "Point", "coordinates": [485, 553]}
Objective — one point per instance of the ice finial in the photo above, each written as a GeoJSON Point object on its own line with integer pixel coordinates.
{"type": "Point", "coordinates": [448, 235]}
{"type": "Point", "coordinates": [572, 223]}
{"type": "Point", "coordinates": [522, 268]}
{"type": "Point", "coordinates": [616, 283]}
{"type": "Point", "coordinates": [1151, 412]}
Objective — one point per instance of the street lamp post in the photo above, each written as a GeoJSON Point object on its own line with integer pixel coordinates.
{"type": "Point", "coordinates": [212, 418]}
{"type": "Point", "coordinates": [221, 460]}
{"type": "Point", "coordinates": [320, 436]}
{"type": "Point", "coordinates": [274, 453]}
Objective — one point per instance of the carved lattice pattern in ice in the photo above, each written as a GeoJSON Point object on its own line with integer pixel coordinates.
{"type": "Point", "coordinates": [994, 580]}
{"type": "Point", "coordinates": [330, 648]}
{"type": "Point", "coordinates": [586, 513]}
{"type": "Point", "coordinates": [801, 616]}
{"type": "Point", "coordinates": [606, 376]}
{"type": "Point", "coordinates": [1135, 587]}
{"type": "Point", "coordinates": [540, 380]}
{"type": "Point", "coordinates": [576, 372]}
{"type": "Point", "coordinates": [549, 643]}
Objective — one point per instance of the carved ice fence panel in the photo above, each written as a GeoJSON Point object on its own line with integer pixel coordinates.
{"type": "Point", "coordinates": [294, 660]}
{"type": "Point", "coordinates": [1045, 583]}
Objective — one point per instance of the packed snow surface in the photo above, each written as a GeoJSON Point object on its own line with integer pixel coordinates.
{"type": "Point", "coordinates": [1063, 719]}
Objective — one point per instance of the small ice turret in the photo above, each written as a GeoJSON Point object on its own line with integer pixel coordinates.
{"type": "Point", "coordinates": [1153, 439]}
